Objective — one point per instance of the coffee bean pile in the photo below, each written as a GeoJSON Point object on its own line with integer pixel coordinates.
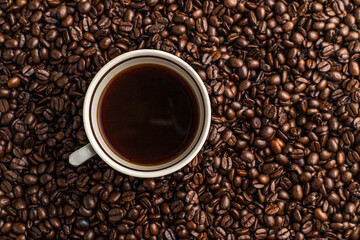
{"type": "Point", "coordinates": [282, 157]}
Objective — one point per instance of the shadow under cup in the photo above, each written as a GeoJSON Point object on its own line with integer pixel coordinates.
{"type": "Point", "coordinates": [99, 142]}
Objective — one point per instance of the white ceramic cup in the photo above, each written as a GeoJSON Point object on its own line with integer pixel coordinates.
{"type": "Point", "coordinates": [97, 143]}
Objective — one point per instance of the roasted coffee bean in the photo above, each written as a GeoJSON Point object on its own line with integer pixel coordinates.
{"type": "Point", "coordinates": [247, 156]}
{"type": "Point", "coordinates": [248, 220]}
{"type": "Point", "coordinates": [89, 201]}
{"type": "Point", "coordinates": [284, 233]}
{"type": "Point", "coordinates": [230, 3]}
{"type": "Point", "coordinates": [14, 82]}
{"type": "Point", "coordinates": [83, 224]}
{"type": "Point", "coordinates": [354, 68]}
{"type": "Point", "coordinates": [4, 105]}
{"type": "Point", "coordinates": [84, 7]}
{"type": "Point", "coordinates": [260, 233]}
{"type": "Point", "coordinates": [169, 234]}
{"type": "Point", "coordinates": [18, 228]}
{"type": "Point", "coordinates": [128, 196]}
{"type": "Point", "coordinates": [115, 215]}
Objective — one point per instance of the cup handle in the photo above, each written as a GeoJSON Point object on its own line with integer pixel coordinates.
{"type": "Point", "coordinates": [81, 155]}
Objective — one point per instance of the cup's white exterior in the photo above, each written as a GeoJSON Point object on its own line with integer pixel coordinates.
{"type": "Point", "coordinates": [95, 90]}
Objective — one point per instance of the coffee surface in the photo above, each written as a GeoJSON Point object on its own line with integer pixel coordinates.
{"type": "Point", "coordinates": [148, 114]}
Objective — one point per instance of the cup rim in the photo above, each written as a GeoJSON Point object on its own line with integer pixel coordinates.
{"type": "Point", "coordinates": [137, 172]}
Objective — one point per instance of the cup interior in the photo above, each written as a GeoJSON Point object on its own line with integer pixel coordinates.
{"type": "Point", "coordinates": [106, 74]}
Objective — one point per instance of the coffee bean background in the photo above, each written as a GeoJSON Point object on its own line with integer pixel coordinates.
{"type": "Point", "coordinates": [282, 157]}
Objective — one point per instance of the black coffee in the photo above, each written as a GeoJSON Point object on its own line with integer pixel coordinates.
{"type": "Point", "coordinates": [148, 114]}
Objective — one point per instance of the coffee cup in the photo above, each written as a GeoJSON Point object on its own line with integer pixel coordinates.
{"type": "Point", "coordinates": [98, 144]}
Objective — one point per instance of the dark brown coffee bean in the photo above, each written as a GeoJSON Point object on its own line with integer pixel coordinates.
{"type": "Point", "coordinates": [62, 11]}
{"type": "Point", "coordinates": [247, 156]}
{"type": "Point", "coordinates": [169, 235]}
{"type": "Point", "coordinates": [4, 105]}
{"type": "Point", "coordinates": [297, 192]}
{"type": "Point", "coordinates": [272, 209]}
{"type": "Point", "coordinates": [18, 228]}
{"type": "Point", "coordinates": [115, 214]}
{"type": "Point", "coordinates": [84, 7]}
{"type": "Point", "coordinates": [248, 220]}
{"type": "Point", "coordinates": [89, 201]}
{"type": "Point", "coordinates": [261, 233]}
{"type": "Point", "coordinates": [283, 95]}
{"type": "Point", "coordinates": [284, 233]}
{"type": "Point", "coordinates": [83, 224]}
{"type": "Point", "coordinates": [67, 21]}
{"type": "Point", "coordinates": [324, 66]}
{"type": "Point", "coordinates": [43, 75]}
{"type": "Point", "coordinates": [128, 196]}
{"type": "Point", "coordinates": [354, 68]}
{"type": "Point", "coordinates": [125, 26]}
{"type": "Point", "coordinates": [68, 210]}
{"type": "Point", "coordinates": [14, 82]}
{"type": "Point", "coordinates": [156, 28]}
{"type": "Point", "coordinates": [30, 179]}
{"type": "Point", "coordinates": [191, 197]}
{"type": "Point", "coordinates": [177, 206]}
{"type": "Point", "coordinates": [11, 43]}
{"type": "Point", "coordinates": [322, 216]}
{"type": "Point", "coordinates": [76, 34]}
{"type": "Point", "coordinates": [307, 227]}
{"type": "Point", "coordinates": [41, 128]}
